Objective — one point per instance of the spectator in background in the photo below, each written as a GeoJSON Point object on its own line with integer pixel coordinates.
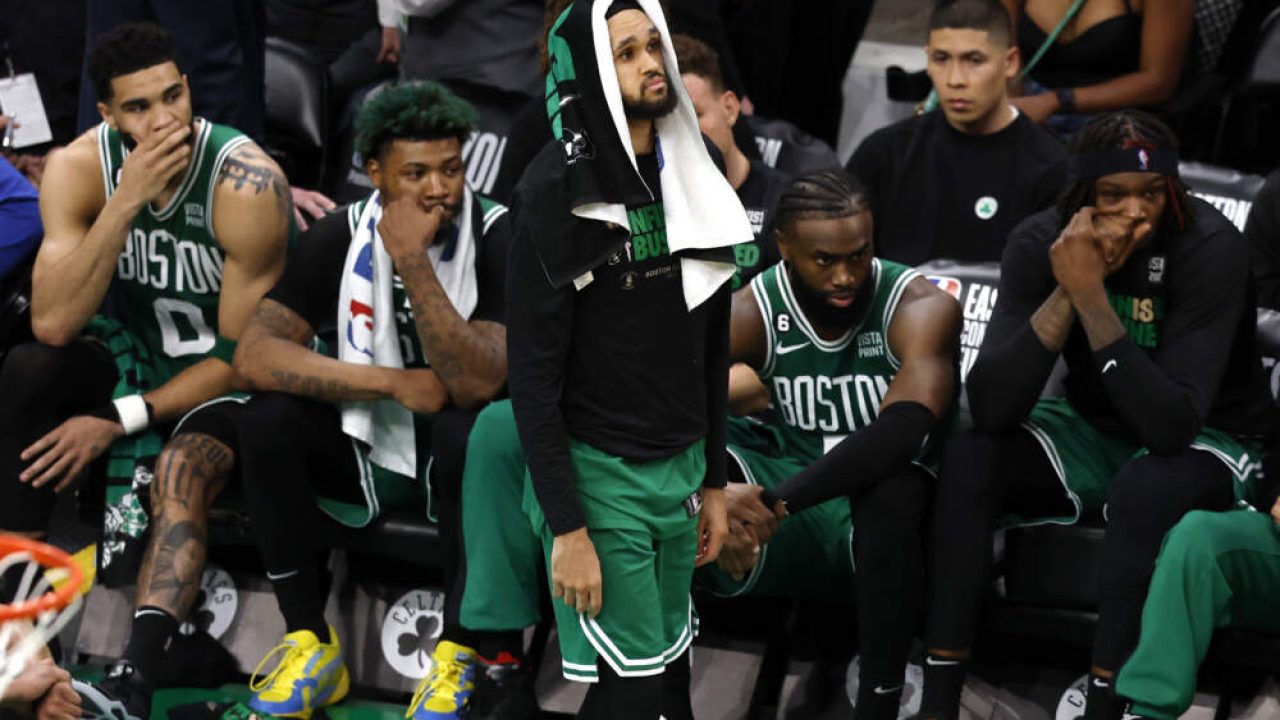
{"type": "Point", "coordinates": [342, 34]}
{"type": "Point", "coordinates": [1262, 233]}
{"type": "Point", "coordinates": [953, 184]}
{"type": "Point", "coordinates": [492, 43]}
{"type": "Point", "coordinates": [1113, 54]}
{"type": "Point", "coordinates": [759, 186]}
{"type": "Point", "coordinates": [20, 228]}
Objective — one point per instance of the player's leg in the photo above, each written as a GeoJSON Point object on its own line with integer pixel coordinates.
{"type": "Point", "coordinates": [192, 469]}
{"type": "Point", "coordinates": [624, 646]}
{"type": "Point", "coordinates": [42, 386]}
{"type": "Point", "coordinates": [496, 590]}
{"type": "Point", "coordinates": [292, 446]}
{"type": "Point", "coordinates": [1147, 498]}
{"type": "Point", "coordinates": [444, 692]}
{"type": "Point", "coordinates": [889, 588]}
{"type": "Point", "coordinates": [1215, 569]}
{"type": "Point", "coordinates": [980, 473]}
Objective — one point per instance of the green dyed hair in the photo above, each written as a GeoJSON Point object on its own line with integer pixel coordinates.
{"type": "Point", "coordinates": [421, 110]}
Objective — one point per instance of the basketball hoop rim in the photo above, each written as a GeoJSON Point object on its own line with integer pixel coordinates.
{"type": "Point", "coordinates": [48, 557]}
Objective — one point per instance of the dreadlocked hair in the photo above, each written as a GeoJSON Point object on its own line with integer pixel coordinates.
{"type": "Point", "coordinates": [412, 111]}
{"type": "Point", "coordinates": [820, 196]}
{"type": "Point", "coordinates": [1122, 130]}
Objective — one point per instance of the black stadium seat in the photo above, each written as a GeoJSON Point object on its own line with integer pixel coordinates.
{"type": "Point", "coordinates": [297, 87]}
{"type": "Point", "coordinates": [786, 147]}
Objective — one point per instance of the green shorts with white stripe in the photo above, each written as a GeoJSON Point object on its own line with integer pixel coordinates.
{"type": "Point", "coordinates": [1085, 459]}
{"type": "Point", "coordinates": [645, 539]}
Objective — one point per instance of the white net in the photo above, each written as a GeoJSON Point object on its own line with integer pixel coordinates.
{"type": "Point", "coordinates": [21, 639]}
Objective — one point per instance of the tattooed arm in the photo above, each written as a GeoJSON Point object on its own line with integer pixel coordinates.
{"type": "Point", "coordinates": [251, 213]}
{"type": "Point", "coordinates": [469, 357]}
{"type": "Point", "coordinates": [272, 356]}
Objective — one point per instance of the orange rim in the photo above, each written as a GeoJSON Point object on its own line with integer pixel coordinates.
{"type": "Point", "coordinates": [48, 557]}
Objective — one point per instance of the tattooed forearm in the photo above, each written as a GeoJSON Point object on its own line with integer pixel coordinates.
{"type": "Point", "coordinates": [470, 362]}
{"type": "Point", "coordinates": [326, 389]}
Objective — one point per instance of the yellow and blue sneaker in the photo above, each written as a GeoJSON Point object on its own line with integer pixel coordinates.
{"type": "Point", "coordinates": [446, 691]}
{"type": "Point", "coordinates": [309, 675]}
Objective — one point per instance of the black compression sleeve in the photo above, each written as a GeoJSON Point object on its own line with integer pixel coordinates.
{"type": "Point", "coordinates": [717, 387]}
{"type": "Point", "coordinates": [1155, 408]}
{"type": "Point", "coordinates": [1013, 365]}
{"type": "Point", "coordinates": [862, 459]}
{"type": "Point", "coordinates": [539, 333]}
{"type": "Point", "coordinates": [1006, 381]}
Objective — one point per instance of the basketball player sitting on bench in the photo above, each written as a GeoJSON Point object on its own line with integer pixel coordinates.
{"type": "Point", "coordinates": [188, 222]}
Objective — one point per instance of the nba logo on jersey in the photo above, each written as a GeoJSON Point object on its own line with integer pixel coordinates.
{"type": "Point", "coordinates": [360, 325]}
{"type": "Point", "coordinates": [949, 285]}
{"type": "Point", "coordinates": [1144, 160]}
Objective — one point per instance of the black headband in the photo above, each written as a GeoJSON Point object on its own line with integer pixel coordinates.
{"type": "Point", "coordinates": [1135, 159]}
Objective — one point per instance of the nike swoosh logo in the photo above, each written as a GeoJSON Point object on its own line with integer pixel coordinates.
{"type": "Point", "coordinates": [884, 690]}
{"type": "Point", "coordinates": [784, 349]}
{"type": "Point", "coordinates": [281, 576]}
{"type": "Point", "coordinates": [930, 660]}
{"type": "Point", "coordinates": [1108, 365]}
{"type": "Point", "coordinates": [1101, 684]}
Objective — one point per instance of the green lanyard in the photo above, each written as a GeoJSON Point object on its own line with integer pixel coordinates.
{"type": "Point", "coordinates": [931, 102]}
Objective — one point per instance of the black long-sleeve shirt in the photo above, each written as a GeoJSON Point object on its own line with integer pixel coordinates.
{"type": "Point", "coordinates": [1189, 358]}
{"type": "Point", "coordinates": [620, 364]}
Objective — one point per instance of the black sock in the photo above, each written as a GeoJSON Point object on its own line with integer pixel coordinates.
{"type": "Point", "coordinates": [301, 606]}
{"type": "Point", "coordinates": [878, 700]}
{"type": "Point", "coordinates": [619, 698]}
{"type": "Point", "coordinates": [677, 701]}
{"type": "Point", "coordinates": [1101, 702]}
{"type": "Point", "coordinates": [149, 641]}
{"type": "Point", "coordinates": [943, 681]}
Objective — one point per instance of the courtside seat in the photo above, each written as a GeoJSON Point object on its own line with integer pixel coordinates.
{"type": "Point", "coordinates": [297, 112]}
{"type": "Point", "coordinates": [784, 146]}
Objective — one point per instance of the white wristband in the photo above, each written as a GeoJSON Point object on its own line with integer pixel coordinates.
{"type": "Point", "coordinates": [133, 413]}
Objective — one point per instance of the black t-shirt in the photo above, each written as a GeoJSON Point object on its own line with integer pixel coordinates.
{"type": "Point", "coordinates": [759, 195]}
{"type": "Point", "coordinates": [1186, 302]}
{"type": "Point", "coordinates": [620, 364]}
{"type": "Point", "coordinates": [939, 193]}
{"type": "Point", "coordinates": [313, 272]}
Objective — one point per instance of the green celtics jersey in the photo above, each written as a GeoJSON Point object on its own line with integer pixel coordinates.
{"type": "Point", "coordinates": [169, 274]}
{"type": "Point", "coordinates": [825, 389]}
